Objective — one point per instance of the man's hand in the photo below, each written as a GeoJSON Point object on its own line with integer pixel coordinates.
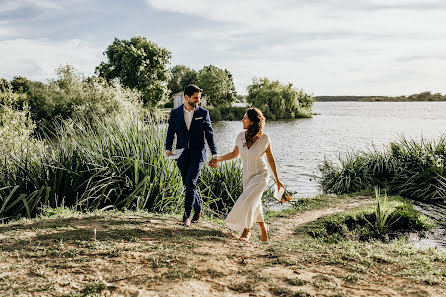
{"type": "Point", "coordinates": [213, 163]}
{"type": "Point", "coordinates": [169, 153]}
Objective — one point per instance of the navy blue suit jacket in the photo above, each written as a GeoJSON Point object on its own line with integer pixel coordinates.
{"type": "Point", "coordinates": [191, 140]}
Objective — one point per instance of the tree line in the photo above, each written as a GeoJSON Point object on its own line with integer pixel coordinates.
{"type": "Point", "coordinates": [423, 96]}
{"type": "Point", "coordinates": [137, 73]}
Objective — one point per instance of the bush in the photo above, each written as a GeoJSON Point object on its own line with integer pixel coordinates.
{"type": "Point", "coordinates": [72, 95]}
{"type": "Point", "coordinates": [16, 130]}
{"type": "Point", "coordinates": [364, 224]}
{"type": "Point", "coordinates": [409, 168]}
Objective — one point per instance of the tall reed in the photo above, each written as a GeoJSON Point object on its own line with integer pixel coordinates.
{"type": "Point", "coordinates": [220, 187]}
{"type": "Point", "coordinates": [108, 162]}
{"type": "Point", "coordinates": [382, 212]}
{"type": "Point", "coordinates": [410, 168]}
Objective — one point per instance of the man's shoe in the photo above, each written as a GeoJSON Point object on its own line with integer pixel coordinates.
{"type": "Point", "coordinates": [197, 217]}
{"type": "Point", "coordinates": [186, 221]}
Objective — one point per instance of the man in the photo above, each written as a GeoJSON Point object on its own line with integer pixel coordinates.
{"type": "Point", "coordinates": [191, 124]}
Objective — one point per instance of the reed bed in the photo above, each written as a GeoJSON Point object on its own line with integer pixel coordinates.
{"type": "Point", "coordinates": [108, 163]}
{"type": "Point", "coordinates": [414, 169]}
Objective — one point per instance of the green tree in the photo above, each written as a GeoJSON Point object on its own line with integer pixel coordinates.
{"type": "Point", "coordinates": [140, 64]}
{"type": "Point", "coordinates": [181, 76]}
{"type": "Point", "coordinates": [21, 84]}
{"type": "Point", "coordinates": [217, 85]}
{"type": "Point", "coordinates": [279, 101]}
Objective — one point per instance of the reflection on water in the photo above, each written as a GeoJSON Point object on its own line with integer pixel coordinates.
{"type": "Point", "coordinates": [300, 145]}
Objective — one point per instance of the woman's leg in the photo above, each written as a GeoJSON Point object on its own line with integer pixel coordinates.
{"type": "Point", "coordinates": [264, 231]}
{"type": "Point", "coordinates": [245, 235]}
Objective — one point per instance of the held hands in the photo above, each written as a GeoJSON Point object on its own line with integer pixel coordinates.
{"type": "Point", "coordinates": [169, 153]}
{"type": "Point", "coordinates": [213, 163]}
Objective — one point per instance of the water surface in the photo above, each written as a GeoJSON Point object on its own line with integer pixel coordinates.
{"type": "Point", "coordinates": [300, 145]}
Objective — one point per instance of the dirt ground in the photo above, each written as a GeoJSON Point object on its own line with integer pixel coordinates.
{"type": "Point", "coordinates": [141, 254]}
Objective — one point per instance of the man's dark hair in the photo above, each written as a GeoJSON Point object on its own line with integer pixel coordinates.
{"type": "Point", "coordinates": [191, 89]}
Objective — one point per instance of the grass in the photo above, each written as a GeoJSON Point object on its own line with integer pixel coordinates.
{"type": "Point", "coordinates": [382, 213]}
{"type": "Point", "coordinates": [108, 163]}
{"type": "Point", "coordinates": [409, 168]}
{"type": "Point", "coordinates": [92, 289]}
{"type": "Point", "coordinates": [358, 259]}
{"type": "Point", "coordinates": [152, 251]}
{"type": "Point", "coordinates": [369, 222]}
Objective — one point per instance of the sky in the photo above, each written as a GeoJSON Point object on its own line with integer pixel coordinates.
{"type": "Point", "coordinates": [325, 47]}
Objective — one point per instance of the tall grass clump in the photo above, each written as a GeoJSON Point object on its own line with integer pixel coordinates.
{"type": "Point", "coordinates": [116, 161]}
{"type": "Point", "coordinates": [220, 187]}
{"type": "Point", "coordinates": [94, 163]}
{"type": "Point", "coordinates": [383, 212]}
{"type": "Point", "coordinates": [413, 169]}
{"type": "Point", "coordinates": [101, 162]}
{"type": "Point", "coordinates": [124, 165]}
{"type": "Point", "coordinates": [19, 155]}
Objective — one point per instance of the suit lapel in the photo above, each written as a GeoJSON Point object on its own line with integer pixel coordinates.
{"type": "Point", "coordinates": [181, 116]}
{"type": "Point", "coordinates": [196, 114]}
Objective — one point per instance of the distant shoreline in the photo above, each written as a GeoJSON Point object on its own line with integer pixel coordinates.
{"type": "Point", "coordinates": [421, 97]}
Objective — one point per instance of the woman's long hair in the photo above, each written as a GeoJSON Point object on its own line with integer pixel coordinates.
{"type": "Point", "coordinates": [255, 115]}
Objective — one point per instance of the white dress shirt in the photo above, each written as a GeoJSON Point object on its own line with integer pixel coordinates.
{"type": "Point", "coordinates": [188, 115]}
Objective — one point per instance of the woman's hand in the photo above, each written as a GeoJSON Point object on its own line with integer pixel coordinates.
{"type": "Point", "coordinates": [213, 163]}
{"type": "Point", "coordinates": [279, 184]}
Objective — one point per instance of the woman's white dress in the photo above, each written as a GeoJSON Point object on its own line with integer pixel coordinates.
{"type": "Point", "coordinates": [248, 207]}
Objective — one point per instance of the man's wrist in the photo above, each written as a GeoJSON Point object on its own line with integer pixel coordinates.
{"type": "Point", "coordinates": [215, 156]}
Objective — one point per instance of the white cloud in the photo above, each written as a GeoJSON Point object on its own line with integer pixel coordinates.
{"type": "Point", "coordinates": [325, 47]}
{"type": "Point", "coordinates": [319, 16]}
{"type": "Point", "coordinates": [11, 5]}
{"type": "Point", "coordinates": [37, 59]}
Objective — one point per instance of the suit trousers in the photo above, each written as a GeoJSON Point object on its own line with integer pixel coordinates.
{"type": "Point", "coordinates": [190, 172]}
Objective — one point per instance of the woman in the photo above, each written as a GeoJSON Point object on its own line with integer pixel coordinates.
{"type": "Point", "coordinates": [252, 146]}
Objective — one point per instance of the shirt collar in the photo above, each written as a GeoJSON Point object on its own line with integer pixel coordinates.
{"type": "Point", "coordinates": [184, 108]}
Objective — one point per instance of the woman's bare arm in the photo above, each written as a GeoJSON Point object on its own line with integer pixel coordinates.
{"type": "Point", "coordinates": [229, 156]}
{"type": "Point", "coordinates": [272, 165]}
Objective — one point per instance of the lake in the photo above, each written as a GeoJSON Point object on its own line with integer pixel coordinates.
{"type": "Point", "coordinates": [300, 145]}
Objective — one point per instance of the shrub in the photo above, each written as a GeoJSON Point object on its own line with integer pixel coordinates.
{"type": "Point", "coordinates": [279, 101]}
{"type": "Point", "coordinates": [16, 130]}
{"type": "Point", "coordinates": [409, 168]}
{"type": "Point", "coordinates": [71, 95]}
